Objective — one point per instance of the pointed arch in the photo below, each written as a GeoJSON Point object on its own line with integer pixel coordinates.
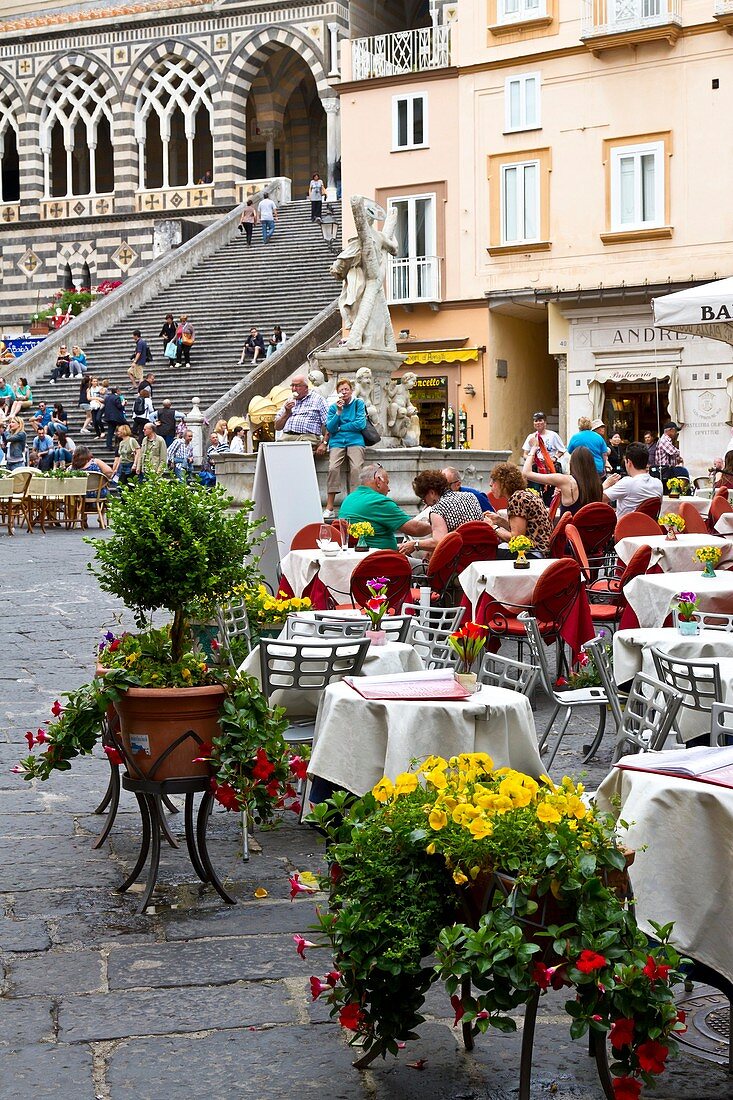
{"type": "Point", "coordinates": [10, 117]}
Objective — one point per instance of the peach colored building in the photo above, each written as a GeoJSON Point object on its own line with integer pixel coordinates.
{"type": "Point", "coordinates": [556, 164]}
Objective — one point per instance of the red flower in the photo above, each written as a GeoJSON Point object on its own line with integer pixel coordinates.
{"type": "Point", "coordinates": [681, 1017]}
{"type": "Point", "coordinates": [205, 752]}
{"type": "Point", "coordinates": [541, 975]}
{"type": "Point", "coordinates": [626, 1088]}
{"type": "Point", "coordinates": [298, 887]}
{"type": "Point", "coordinates": [590, 961]}
{"type": "Point", "coordinates": [41, 736]}
{"type": "Point", "coordinates": [56, 709]}
{"type": "Point", "coordinates": [264, 768]}
{"type": "Point", "coordinates": [335, 873]}
{"type": "Point", "coordinates": [561, 682]}
{"type": "Point", "coordinates": [114, 645]}
{"type": "Point", "coordinates": [376, 603]}
{"type": "Point", "coordinates": [227, 796]}
{"type": "Point", "coordinates": [351, 1016]}
{"type": "Point", "coordinates": [622, 1033]}
{"type": "Point", "coordinates": [301, 944]}
{"type": "Point", "coordinates": [317, 987]}
{"type": "Point", "coordinates": [114, 755]}
{"type": "Point", "coordinates": [295, 807]}
{"type": "Point", "coordinates": [30, 739]}
{"type": "Point", "coordinates": [652, 1056]}
{"type": "Point", "coordinates": [299, 767]}
{"type": "Point", "coordinates": [333, 977]}
{"type": "Point", "coordinates": [273, 788]}
{"type": "Point", "coordinates": [655, 970]}
{"type": "Point", "coordinates": [457, 1006]}
{"type": "Point", "coordinates": [559, 977]}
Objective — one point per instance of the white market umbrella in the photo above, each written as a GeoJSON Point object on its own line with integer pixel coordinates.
{"type": "Point", "coordinates": [702, 311]}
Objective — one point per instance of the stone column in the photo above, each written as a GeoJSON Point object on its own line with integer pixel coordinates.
{"type": "Point", "coordinates": [195, 421]}
{"type": "Point", "coordinates": [269, 136]}
{"type": "Point", "coordinates": [333, 49]}
{"type": "Point", "coordinates": [332, 107]}
{"type": "Point", "coordinates": [562, 396]}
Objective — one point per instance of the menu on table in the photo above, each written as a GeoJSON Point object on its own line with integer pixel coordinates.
{"type": "Point", "coordinates": [703, 763]}
{"type": "Point", "coordinates": [435, 684]}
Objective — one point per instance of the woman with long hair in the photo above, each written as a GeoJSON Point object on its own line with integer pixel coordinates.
{"type": "Point", "coordinates": [578, 487]}
{"type": "Point", "coordinates": [23, 397]}
{"type": "Point", "coordinates": [526, 511]}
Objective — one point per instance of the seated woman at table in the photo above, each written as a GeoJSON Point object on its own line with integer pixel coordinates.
{"type": "Point", "coordinates": [577, 488]}
{"type": "Point", "coordinates": [723, 478]}
{"type": "Point", "coordinates": [83, 459]}
{"type": "Point", "coordinates": [448, 510]}
{"type": "Point", "coordinates": [525, 509]}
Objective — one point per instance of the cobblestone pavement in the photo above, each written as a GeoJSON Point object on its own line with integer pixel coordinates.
{"type": "Point", "coordinates": [195, 998]}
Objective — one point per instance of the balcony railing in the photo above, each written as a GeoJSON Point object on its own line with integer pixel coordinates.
{"type": "Point", "coordinates": [412, 279]}
{"type": "Point", "coordinates": [611, 17]}
{"type": "Point", "coordinates": [402, 52]}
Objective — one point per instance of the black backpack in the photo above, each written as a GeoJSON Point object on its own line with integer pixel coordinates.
{"type": "Point", "coordinates": [138, 407]}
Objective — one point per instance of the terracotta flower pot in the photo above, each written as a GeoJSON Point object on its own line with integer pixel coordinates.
{"type": "Point", "coordinates": [152, 719]}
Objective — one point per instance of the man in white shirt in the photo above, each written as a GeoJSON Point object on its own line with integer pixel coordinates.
{"type": "Point", "coordinates": [267, 213]}
{"type": "Point", "coordinates": [551, 439]}
{"type": "Point", "coordinates": [628, 492]}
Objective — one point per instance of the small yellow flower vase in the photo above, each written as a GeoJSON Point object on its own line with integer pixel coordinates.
{"type": "Point", "coordinates": [521, 560]}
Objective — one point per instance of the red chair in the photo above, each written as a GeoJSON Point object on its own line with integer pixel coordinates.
{"type": "Point", "coordinates": [442, 566]}
{"type": "Point", "coordinates": [606, 595]}
{"type": "Point", "coordinates": [722, 491]}
{"type": "Point", "coordinates": [307, 537]}
{"type": "Point", "coordinates": [634, 525]}
{"type": "Point", "coordinates": [382, 563]}
{"type": "Point", "coordinates": [718, 507]}
{"type": "Point", "coordinates": [553, 598]}
{"type": "Point", "coordinates": [479, 542]}
{"type": "Point", "coordinates": [554, 505]}
{"type": "Point", "coordinates": [558, 541]}
{"type": "Point", "coordinates": [497, 503]}
{"type": "Point", "coordinates": [651, 507]}
{"type": "Point", "coordinates": [595, 523]}
{"type": "Point", "coordinates": [694, 523]}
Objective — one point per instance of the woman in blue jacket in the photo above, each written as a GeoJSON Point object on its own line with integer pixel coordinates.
{"type": "Point", "coordinates": [345, 425]}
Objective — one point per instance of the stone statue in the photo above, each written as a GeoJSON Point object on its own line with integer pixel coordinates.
{"type": "Point", "coordinates": [363, 266]}
{"type": "Point", "coordinates": [318, 382]}
{"type": "Point", "coordinates": [400, 413]}
{"type": "Point", "coordinates": [364, 389]}
{"type": "Point", "coordinates": [412, 436]}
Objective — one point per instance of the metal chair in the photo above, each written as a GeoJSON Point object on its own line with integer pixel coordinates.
{"type": "Point", "coordinates": [554, 595]}
{"type": "Point", "coordinates": [595, 523]}
{"type": "Point", "coordinates": [697, 681]}
{"type": "Point", "coordinates": [430, 642]}
{"type": "Point", "coordinates": [442, 656]}
{"type": "Point", "coordinates": [396, 627]}
{"type": "Point", "coordinates": [446, 618]}
{"type": "Point", "coordinates": [721, 726]}
{"type": "Point", "coordinates": [298, 626]}
{"type": "Point", "coordinates": [596, 650]}
{"type": "Point", "coordinates": [307, 666]}
{"type": "Point", "coordinates": [650, 713]}
{"type": "Point", "coordinates": [503, 672]}
{"type": "Point", "coordinates": [566, 701]}
{"type": "Point", "coordinates": [233, 625]}
{"type": "Point", "coordinates": [708, 620]}
{"type": "Point", "coordinates": [694, 523]}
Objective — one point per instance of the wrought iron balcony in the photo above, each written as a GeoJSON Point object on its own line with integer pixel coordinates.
{"type": "Point", "coordinates": [401, 52]}
{"type": "Point", "coordinates": [609, 23]}
{"type": "Point", "coordinates": [413, 279]}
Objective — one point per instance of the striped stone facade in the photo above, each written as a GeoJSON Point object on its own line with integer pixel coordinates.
{"type": "Point", "coordinates": [93, 152]}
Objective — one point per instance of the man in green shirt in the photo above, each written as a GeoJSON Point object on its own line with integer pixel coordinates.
{"type": "Point", "coordinates": [369, 503]}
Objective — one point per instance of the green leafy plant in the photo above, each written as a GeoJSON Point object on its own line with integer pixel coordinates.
{"type": "Point", "coordinates": [542, 877]}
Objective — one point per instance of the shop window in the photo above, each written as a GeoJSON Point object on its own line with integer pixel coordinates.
{"type": "Point", "coordinates": [522, 102]}
{"type": "Point", "coordinates": [409, 121]}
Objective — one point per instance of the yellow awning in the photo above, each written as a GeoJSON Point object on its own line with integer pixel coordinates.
{"type": "Point", "coordinates": [444, 355]}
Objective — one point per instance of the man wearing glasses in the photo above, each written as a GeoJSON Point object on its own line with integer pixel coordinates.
{"type": "Point", "coordinates": [303, 416]}
{"type": "Point", "coordinates": [371, 504]}
{"type": "Point", "coordinates": [453, 477]}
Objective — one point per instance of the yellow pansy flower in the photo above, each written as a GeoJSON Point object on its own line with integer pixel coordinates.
{"type": "Point", "coordinates": [405, 783]}
{"type": "Point", "coordinates": [384, 790]}
{"type": "Point", "coordinates": [437, 778]}
{"type": "Point", "coordinates": [577, 808]}
{"type": "Point", "coordinates": [433, 762]}
{"type": "Point", "coordinates": [547, 813]}
{"type": "Point", "coordinates": [186, 674]}
{"type": "Point", "coordinates": [480, 827]}
{"type": "Point", "coordinates": [430, 850]}
{"type": "Point", "coordinates": [437, 820]}
{"type": "Point", "coordinates": [459, 878]}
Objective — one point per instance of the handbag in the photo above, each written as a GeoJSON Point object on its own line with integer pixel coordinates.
{"type": "Point", "coordinates": [187, 338]}
{"type": "Point", "coordinates": [171, 350]}
{"type": "Point", "coordinates": [371, 433]}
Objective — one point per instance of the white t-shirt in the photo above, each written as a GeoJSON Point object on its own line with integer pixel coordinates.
{"type": "Point", "coordinates": [550, 439]}
{"type": "Point", "coordinates": [629, 492]}
{"type": "Point", "coordinates": [315, 190]}
{"type": "Point", "coordinates": [267, 210]}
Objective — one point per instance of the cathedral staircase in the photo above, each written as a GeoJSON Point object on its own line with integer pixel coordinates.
{"type": "Point", "coordinates": [285, 282]}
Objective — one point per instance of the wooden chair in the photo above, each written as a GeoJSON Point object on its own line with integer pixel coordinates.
{"type": "Point", "coordinates": [14, 500]}
{"type": "Point", "coordinates": [694, 523]}
{"type": "Point", "coordinates": [95, 502]}
{"type": "Point", "coordinates": [635, 525]}
{"type": "Point", "coordinates": [651, 507]}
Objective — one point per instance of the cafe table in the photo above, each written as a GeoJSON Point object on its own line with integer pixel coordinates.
{"type": "Point", "coordinates": [724, 525]}
{"type": "Point", "coordinates": [676, 555]}
{"type": "Point", "coordinates": [682, 832]}
{"type": "Point", "coordinates": [357, 740]}
{"type": "Point", "coordinates": [333, 570]}
{"type": "Point", "coordinates": [672, 504]}
{"type": "Point", "coordinates": [651, 596]}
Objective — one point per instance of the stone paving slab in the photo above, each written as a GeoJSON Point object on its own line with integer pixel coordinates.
{"type": "Point", "coordinates": [24, 935]}
{"type": "Point", "coordinates": [48, 1073]}
{"type": "Point", "coordinates": [201, 962]}
{"type": "Point", "coordinates": [24, 1022]}
{"type": "Point", "coordinates": [54, 973]}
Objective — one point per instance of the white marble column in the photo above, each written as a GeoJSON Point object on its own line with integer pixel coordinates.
{"type": "Point", "coordinates": [333, 48]}
{"type": "Point", "coordinates": [332, 107]}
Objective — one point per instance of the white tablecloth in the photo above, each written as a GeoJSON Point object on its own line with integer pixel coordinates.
{"type": "Point", "coordinates": [651, 596]}
{"type": "Point", "coordinates": [724, 526]}
{"type": "Point", "coordinates": [673, 505]}
{"type": "Point", "coordinates": [301, 566]}
{"type": "Point", "coordinates": [632, 654]}
{"type": "Point", "coordinates": [359, 740]}
{"type": "Point", "coordinates": [683, 834]}
{"type": "Point", "coordinates": [380, 660]}
{"type": "Point", "coordinates": [501, 580]}
{"type": "Point", "coordinates": [673, 557]}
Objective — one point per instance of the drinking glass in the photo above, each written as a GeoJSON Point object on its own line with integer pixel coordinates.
{"type": "Point", "coordinates": [325, 536]}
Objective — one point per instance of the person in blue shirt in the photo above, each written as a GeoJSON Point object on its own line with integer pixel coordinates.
{"type": "Point", "coordinates": [43, 417]}
{"type": "Point", "coordinates": [43, 447]}
{"type": "Point", "coordinates": [452, 476]}
{"type": "Point", "coordinates": [345, 424]}
{"type": "Point", "coordinates": [590, 435]}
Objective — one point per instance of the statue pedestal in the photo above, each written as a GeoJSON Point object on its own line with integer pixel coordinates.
{"type": "Point", "coordinates": [342, 363]}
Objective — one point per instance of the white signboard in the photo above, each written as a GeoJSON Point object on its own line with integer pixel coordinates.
{"type": "Point", "coordinates": [286, 493]}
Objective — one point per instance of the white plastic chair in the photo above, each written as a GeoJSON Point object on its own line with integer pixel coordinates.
{"type": "Point", "coordinates": [504, 672]}
{"type": "Point", "coordinates": [650, 713]}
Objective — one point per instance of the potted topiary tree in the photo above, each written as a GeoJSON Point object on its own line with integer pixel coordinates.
{"type": "Point", "coordinates": [172, 546]}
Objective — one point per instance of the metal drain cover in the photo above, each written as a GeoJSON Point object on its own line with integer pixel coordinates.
{"type": "Point", "coordinates": [708, 1023]}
